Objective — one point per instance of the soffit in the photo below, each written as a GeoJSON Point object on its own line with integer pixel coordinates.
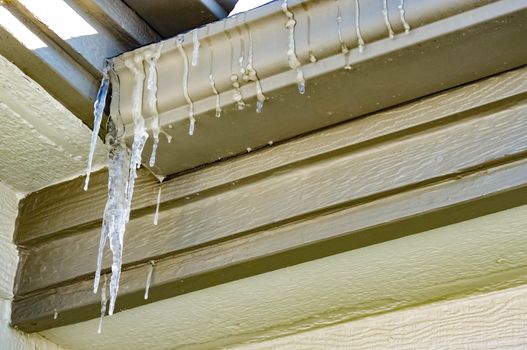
{"type": "Point", "coordinates": [41, 142]}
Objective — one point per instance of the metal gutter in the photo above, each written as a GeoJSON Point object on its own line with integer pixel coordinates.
{"type": "Point", "coordinates": [481, 38]}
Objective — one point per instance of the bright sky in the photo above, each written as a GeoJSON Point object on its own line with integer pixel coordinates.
{"type": "Point", "coordinates": [245, 5]}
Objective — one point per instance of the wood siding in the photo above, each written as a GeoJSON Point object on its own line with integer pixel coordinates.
{"type": "Point", "coordinates": [438, 160]}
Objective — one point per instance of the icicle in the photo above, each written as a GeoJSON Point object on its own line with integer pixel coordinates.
{"type": "Point", "coordinates": [312, 57]}
{"type": "Point", "coordinates": [195, 50]}
{"type": "Point", "coordinates": [253, 75]}
{"type": "Point", "coordinates": [103, 304]}
{"type": "Point", "coordinates": [98, 110]}
{"type": "Point", "coordinates": [291, 52]}
{"type": "Point", "coordinates": [357, 27]}
{"type": "Point", "coordinates": [151, 99]}
{"type": "Point", "coordinates": [167, 135]}
{"type": "Point", "coordinates": [179, 43]}
{"type": "Point", "coordinates": [387, 19]}
{"type": "Point", "coordinates": [241, 59]}
{"type": "Point", "coordinates": [212, 82]}
{"type": "Point", "coordinates": [55, 314]}
{"type": "Point", "coordinates": [237, 94]}
{"type": "Point", "coordinates": [343, 47]}
{"type": "Point", "coordinates": [115, 212]}
{"type": "Point", "coordinates": [118, 214]}
{"type": "Point", "coordinates": [403, 19]}
{"type": "Point", "coordinates": [149, 278]}
{"type": "Point", "coordinates": [156, 214]}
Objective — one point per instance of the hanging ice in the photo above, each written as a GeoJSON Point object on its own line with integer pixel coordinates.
{"type": "Point", "coordinates": [357, 27]}
{"type": "Point", "coordinates": [291, 52]}
{"type": "Point", "coordinates": [149, 278]}
{"type": "Point", "coordinates": [98, 110]}
{"type": "Point", "coordinates": [156, 214]}
{"type": "Point", "coordinates": [386, 18]}
{"type": "Point", "coordinates": [213, 83]}
{"type": "Point", "coordinates": [312, 57]}
{"type": "Point", "coordinates": [151, 100]}
{"type": "Point", "coordinates": [343, 47]}
{"type": "Point", "coordinates": [103, 305]}
{"type": "Point", "coordinates": [195, 50]}
{"type": "Point", "coordinates": [179, 44]}
{"type": "Point", "coordinates": [253, 75]}
{"type": "Point", "coordinates": [403, 19]}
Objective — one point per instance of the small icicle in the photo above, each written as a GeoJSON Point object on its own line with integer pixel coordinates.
{"type": "Point", "coordinates": [253, 75]}
{"type": "Point", "coordinates": [343, 47]}
{"type": "Point", "coordinates": [103, 304]}
{"type": "Point", "coordinates": [387, 19]}
{"type": "Point", "coordinates": [179, 43]}
{"type": "Point", "coordinates": [360, 39]}
{"type": "Point", "coordinates": [241, 59]}
{"type": "Point", "coordinates": [291, 52]}
{"type": "Point", "coordinates": [149, 278]}
{"type": "Point", "coordinates": [312, 57]}
{"type": "Point", "coordinates": [98, 110]}
{"type": "Point", "coordinates": [55, 314]}
{"type": "Point", "coordinates": [403, 18]}
{"type": "Point", "coordinates": [156, 214]}
{"type": "Point", "coordinates": [195, 50]}
{"type": "Point", "coordinates": [237, 95]}
{"type": "Point", "coordinates": [151, 99]}
{"type": "Point", "coordinates": [212, 82]}
{"type": "Point", "coordinates": [167, 135]}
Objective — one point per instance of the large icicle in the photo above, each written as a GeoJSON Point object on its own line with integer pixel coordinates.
{"type": "Point", "coordinates": [120, 215]}
{"type": "Point", "coordinates": [151, 99]}
{"type": "Point", "coordinates": [179, 44]}
{"type": "Point", "coordinates": [114, 217]}
{"type": "Point", "coordinates": [291, 52]}
{"type": "Point", "coordinates": [98, 110]}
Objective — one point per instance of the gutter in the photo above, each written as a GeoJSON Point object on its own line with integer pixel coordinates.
{"type": "Point", "coordinates": [450, 43]}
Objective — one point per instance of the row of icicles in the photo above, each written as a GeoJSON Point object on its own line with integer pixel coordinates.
{"type": "Point", "coordinates": [124, 163]}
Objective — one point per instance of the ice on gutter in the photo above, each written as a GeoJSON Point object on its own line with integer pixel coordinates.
{"type": "Point", "coordinates": [124, 162]}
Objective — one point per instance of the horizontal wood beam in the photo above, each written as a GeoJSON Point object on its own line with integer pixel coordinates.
{"type": "Point", "coordinates": [443, 159]}
{"type": "Point", "coordinates": [66, 207]}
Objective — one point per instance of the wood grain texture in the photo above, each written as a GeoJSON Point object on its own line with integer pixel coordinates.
{"type": "Point", "coordinates": [66, 206]}
{"type": "Point", "coordinates": [433, 162]}
{"type": "Point", "coordinates": [492, 321]}
{"type": "Point", "coordinates": [386, 219]}
{"type": "Point", "coordinates": [455, 261]}
{"type": "Point", "coordinates": [326, 184]}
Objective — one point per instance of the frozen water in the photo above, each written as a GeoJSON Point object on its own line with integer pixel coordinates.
{"type": "Point", "coordinates": [192, 120]}
{"type": "Point", "coordinates": [98, 110]}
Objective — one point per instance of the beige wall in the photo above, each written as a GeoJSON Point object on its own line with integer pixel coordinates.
{"type": "Point", "coordinates": [493, 321]}
{"type": "Point", "coordinates": [11, 339]}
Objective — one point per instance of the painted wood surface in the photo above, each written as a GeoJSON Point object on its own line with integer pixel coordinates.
{"type": "Point", "coordinates": [493, 321]}
{"type": "Point", "coordinates": [433, 162]}
{"type": "Point", "coordinates": [452, 262]}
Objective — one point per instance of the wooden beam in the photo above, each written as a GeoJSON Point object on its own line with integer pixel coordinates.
{"type": "Point", "coordinates": [443, 159]}
{"type": "Point", "coordinates": [390, 218]}
{"type": "Point", "coordinates": [66, 207]}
